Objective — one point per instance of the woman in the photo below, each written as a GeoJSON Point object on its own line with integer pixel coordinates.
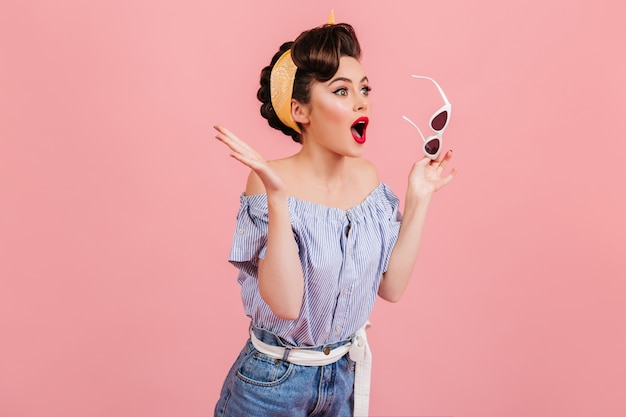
{"type": "Point", "coordinates": [318, 236]}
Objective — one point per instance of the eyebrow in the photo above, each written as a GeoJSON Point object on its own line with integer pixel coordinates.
{"type": "Point", "coordinates": [346, 80]}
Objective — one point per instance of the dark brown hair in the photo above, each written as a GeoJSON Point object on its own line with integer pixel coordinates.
{"type": "Point", "coordinates": [316, 53]}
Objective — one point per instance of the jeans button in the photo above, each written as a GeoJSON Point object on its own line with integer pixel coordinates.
{"type": "Point", "coordinates": [326, 350]}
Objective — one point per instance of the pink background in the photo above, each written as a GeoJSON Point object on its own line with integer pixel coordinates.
{"type": "Point", "coordinates": [118, 207]}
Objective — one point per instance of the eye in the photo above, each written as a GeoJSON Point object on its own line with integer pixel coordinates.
{"type": "Point", "coordinates": [341, 91]}
{"type": "Point", "coordinates": [365, 90]}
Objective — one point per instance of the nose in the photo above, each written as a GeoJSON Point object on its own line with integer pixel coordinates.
{"type": "Point", "coordinates": [361, 102]}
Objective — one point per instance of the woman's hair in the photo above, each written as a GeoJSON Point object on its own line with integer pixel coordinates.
{"type": "Point", "coordinates": [316, 53]}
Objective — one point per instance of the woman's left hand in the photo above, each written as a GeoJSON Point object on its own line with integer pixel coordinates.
{"type": "Point", "coordinates": [426, 175]}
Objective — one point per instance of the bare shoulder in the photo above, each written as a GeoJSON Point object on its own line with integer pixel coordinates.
{"type": "Point", "coordinates": [254, 185]}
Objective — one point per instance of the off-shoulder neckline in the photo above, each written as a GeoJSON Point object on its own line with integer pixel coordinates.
{"type": "Point", "coordinates": [260, 201]}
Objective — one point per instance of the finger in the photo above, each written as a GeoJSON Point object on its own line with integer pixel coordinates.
{"type": "Point", "coordinates": [449, 177]}
{"type": "Point", "coordinates": [232, 137]}
{"type": "Point", "coordinates": [434, 163]}
{"type": "Point", "coordinates": [241, 158]}
{"type": "Point", "coordinates": [244, 152]}
{"type": "Point", "coordinates": [221, 129]}
{"type": "Point", "coordinates": [225, 133]}
{"type": "Point", "coordinates": [234, 143]}
{"type": "Point", "coordinates": [446, 159]}
{"type": "Point", "coordinates": [227, 141]}
{"type": "Point", "coordinates": [424, 161]}
{"type": "Point", "coordinates": [251, 163]}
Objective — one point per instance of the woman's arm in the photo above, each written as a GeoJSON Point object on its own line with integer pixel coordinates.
{"type": "Point", "coordinates": [424, 180]}
{"type": "Point", "coordinates": [281, 282]}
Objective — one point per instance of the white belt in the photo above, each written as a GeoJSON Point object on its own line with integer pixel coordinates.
{"type": "Point", "coordinates": [359, 352]}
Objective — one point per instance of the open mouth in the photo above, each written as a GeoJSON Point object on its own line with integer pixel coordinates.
{"type": "Point", "coordinates": [358, 129]}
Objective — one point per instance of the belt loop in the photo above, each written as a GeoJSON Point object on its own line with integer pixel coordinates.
{"type": "Point", "coordinates": [286, 354]}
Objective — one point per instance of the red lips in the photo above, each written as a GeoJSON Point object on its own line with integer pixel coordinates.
{"type": "Point", "coordinates": [358, 129]}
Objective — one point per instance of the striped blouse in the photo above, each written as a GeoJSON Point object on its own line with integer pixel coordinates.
{"type": "Point", "coordinates": [343, 254]}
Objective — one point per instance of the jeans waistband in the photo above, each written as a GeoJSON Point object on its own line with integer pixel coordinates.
{"type": "Point", "coordinates": [273, 339]}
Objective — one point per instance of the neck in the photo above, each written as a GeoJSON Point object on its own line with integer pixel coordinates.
{"type": "Point", "coordinates": [324, 168]}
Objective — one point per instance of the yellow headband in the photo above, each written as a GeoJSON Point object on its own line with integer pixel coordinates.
{"type": "Point", "coordinates": [281, 88]}
{"type": "Point", "coordinates": [281, 84]}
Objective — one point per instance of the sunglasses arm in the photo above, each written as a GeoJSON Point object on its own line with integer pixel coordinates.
{"type": "Point", "coordinates": [415, 126]}
{"type": "Point", "coordinates": [443, 95]}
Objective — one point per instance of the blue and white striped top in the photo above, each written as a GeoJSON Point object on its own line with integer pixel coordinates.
{"type": "Point", "coordinates": [343, 254]}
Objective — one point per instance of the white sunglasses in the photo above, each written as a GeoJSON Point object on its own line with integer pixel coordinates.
{"type": "Point", "coordinates": [438, 123]}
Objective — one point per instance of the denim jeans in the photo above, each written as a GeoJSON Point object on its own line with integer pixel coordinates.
{"type": "Point", "coordinates": [260, 386]}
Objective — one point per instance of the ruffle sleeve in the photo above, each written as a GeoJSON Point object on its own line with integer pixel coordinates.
{"type": "Point", "coordinates": [390, 226]}
{"type": "Point", "coordinates": [250, 237]}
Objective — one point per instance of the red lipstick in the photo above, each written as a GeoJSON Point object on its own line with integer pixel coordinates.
{"type": "Point", "coordinates": [358, 129]}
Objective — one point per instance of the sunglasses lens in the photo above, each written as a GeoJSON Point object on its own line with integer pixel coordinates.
{"type": "Point", "coordinates": [432, 146]}
{"type": "Point", "coordinates": [439, 121]}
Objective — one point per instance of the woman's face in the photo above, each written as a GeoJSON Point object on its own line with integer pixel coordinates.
{"type": "Point", "coordinates": [339, 111]}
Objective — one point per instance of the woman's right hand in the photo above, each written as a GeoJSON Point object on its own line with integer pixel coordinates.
{"type": "Point", "coordinates": [245, 154]}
